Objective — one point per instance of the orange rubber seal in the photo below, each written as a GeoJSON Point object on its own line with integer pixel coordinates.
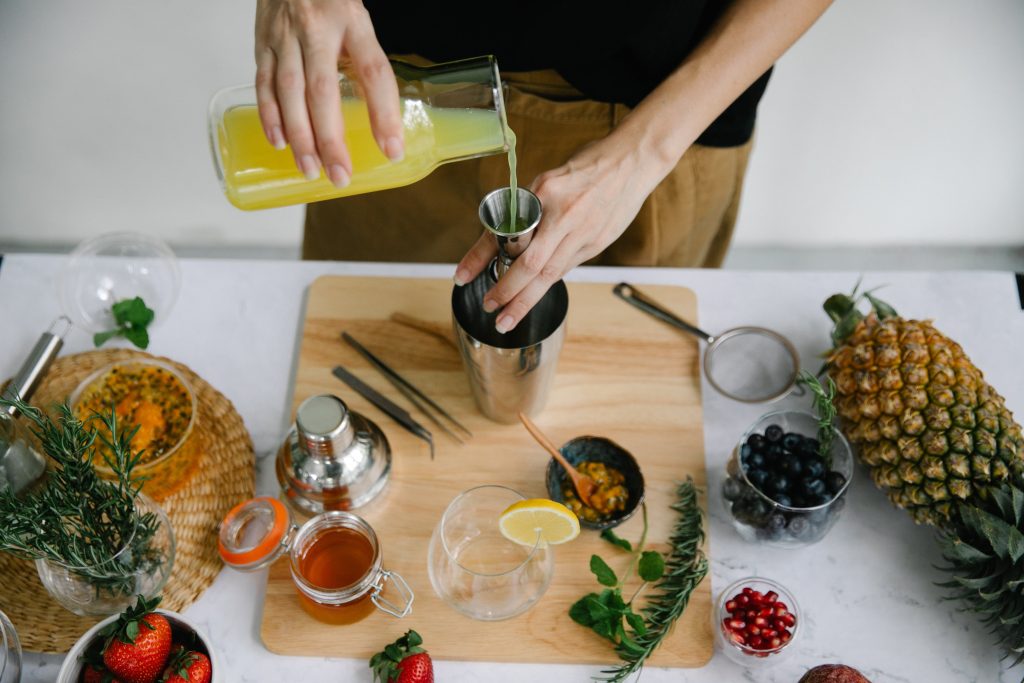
{"type": "Point", "coordinates": [267, 545]}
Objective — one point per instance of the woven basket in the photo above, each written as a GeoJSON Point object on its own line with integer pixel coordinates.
{"type": "Point", "coordinates": [224, 478]}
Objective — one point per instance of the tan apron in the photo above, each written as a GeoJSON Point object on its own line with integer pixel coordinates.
{"type": "Point", "coordinates": [686, 222]}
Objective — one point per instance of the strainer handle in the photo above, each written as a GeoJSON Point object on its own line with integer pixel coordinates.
{"type": "Point", "coordinates": [631, 295]}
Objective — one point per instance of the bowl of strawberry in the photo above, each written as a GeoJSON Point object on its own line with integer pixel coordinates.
{"type": "Point", "coordinates": [142, 645]}
{"type": "Point", "coordinates": [783, 487]}
{"type": "Point", "coordinates": [757, 622]}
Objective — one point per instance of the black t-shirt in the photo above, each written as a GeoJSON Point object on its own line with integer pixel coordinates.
{"type": "Point", "coordinates": [609, 55]}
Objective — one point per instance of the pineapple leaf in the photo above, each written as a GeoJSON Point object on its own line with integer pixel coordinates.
{"type": "Point", "coordinates": [846, 325]}
{"type": "Point", "coordinates": [958, 551]}
{"type": "Point", "coordinates": [882, 309]}
{"type": "Point", "coordinates": [1006, 541]}
{"type": "Point", "coordinates": [1017, 498]}
{"type": "Point", "coordinates": [838, 305]}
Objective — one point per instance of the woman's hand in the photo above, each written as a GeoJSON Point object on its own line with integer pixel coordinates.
{"type": "Point", "coordinates": [299, 44]}
{"type": "Point", "coordinates": [587, 202]}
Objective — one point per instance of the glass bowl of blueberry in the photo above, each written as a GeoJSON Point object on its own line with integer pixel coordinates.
{"type": "Point", "coordinates": [781, 488]}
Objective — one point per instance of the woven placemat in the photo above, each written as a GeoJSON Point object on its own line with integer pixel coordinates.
{"type": "Point", "coordinates": [225, 477]}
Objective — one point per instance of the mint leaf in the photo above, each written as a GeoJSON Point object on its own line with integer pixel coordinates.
{"type": "Point", "coordinates": [637, 622]}
{"type": "Point", "coordinates": [652, 566]}
{"type": "Point", "coordinates": [101, 338]}
{"type": "Point", "coordinates": [605, 575]}
{"type": "Point", "coordinates": [133, 312]}
{"type": "Point", "coordinates": [137, 336]}
{"type": "Point", "coordinates": [610, 536]}
{"type": "Point", "coordinates": [580, 614]}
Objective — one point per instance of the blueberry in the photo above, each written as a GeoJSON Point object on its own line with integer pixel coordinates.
{"type": "Point", "coordinates": [791, 465]}
{"type": "Point", "coordinates": [757, 477]}
{"type": "Point", "coordinates": [821, 499]}
{"type": "Point", "coordinates": [755, 441]}
{"type": "Point", "coordinates": [778, 483]}
{"type": "Point", "coordinates": [798, 526]}
{"type": "Point", "coordinates": [759, 511]}
{"type": "Point", "coordinates": [754, 460]}
{"type": "Point", "coordinates": [792, 442]}
{"type": "Point", "coordinates": [745, 451]}
{"type": "Point", "coordinates": [773, 433]}
{"type": "Point", "coordinates": [773, 451]}
{"type": "Point", "coordinates": [835, 482]}
{"type": "Point", "coordinates": [811, 446]}
{"type": "Point", "coordinates": [798, 500]}
{"type": "Point", "coordinates": [732, 489]}
{"type": "Point", "coordinates": [812, 487]}
{"type": "Point", "coordinates": [814, 467]}
{"type": "Point", "coordinates": [782, 499]}
{"type": "Point", "coordinates": [741, 510]}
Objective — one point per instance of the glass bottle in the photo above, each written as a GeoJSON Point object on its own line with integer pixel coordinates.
{"type": "Point", "coordinates": [450, 111]}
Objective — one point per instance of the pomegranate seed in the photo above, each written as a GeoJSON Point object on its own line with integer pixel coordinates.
{"type": "Point", "coordinates": [738, 638]}
{"type": "Point", "coordinates": [760, 621]}
{"type": "Point", "coordinates": [735, 624]}
{"type": "Point", "coordinates": [755, 596]}
{"type": "Point", "coordinates": [731, 606]}
{"type": "Point", "coordinates": [784, 636]}
{"type": "Point", "coordinates": [771, 596]}
{"type": "Point", "coordinates": [756, 642]}
{"type": "Point", "coordinates": [764, 612]}
{"type": "Point", "coordinates": [789, 619]}
{"type": "Point", "coordinates": [769, 633]}
{"type": "Point", "coordinates": [753, 630]}
{"type": "Point", "coordinates": [750, 614]}
{"type": "Point", "coordinates": [748, 590]}
{"type": "Point", "coordinates": [778, 624]}
{"type": "Point", "coordinates": [742, 600]}
{"type": "Point", "coordinates": [780, 605]}
{"type": "Point", "coordinates": [775, 643]}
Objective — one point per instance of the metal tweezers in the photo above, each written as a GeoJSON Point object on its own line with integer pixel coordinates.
{"type": "Point", "coordinates": [415, 396]}
{"type": "Point", "coordinates": [395, 412]}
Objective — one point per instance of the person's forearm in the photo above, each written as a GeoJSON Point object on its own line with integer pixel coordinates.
{"type": "Point", "coordinates": [746, 40]}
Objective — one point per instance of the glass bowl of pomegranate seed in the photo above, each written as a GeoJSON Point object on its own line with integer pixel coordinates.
{"type": "Point", "coordinates": [782, 488]}
{"type": "Point", "coordinates": [757, 622]}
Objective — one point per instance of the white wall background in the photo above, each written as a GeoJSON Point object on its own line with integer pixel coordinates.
{"type": "Point", "coordinates": [890, 123]}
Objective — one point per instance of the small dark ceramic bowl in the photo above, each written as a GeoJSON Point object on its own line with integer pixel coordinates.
{"type": "Point", "coordinates": [598, 449]}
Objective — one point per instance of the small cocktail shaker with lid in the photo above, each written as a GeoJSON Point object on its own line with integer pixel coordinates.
{"type": "Point", "coordinates": [333, 459]}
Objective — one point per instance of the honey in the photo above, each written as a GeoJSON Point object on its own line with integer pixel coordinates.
{"type": "Point", "coordinates": [337, 559]}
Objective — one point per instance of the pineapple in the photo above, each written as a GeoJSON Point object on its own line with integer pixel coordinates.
{"type": "Point", "coordinates": [925, 422]}
{"type": "Point", "coordinates": [943, 444]}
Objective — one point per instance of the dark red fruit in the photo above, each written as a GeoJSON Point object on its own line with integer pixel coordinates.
{"type": "Point", "coordinates": [833, 673]}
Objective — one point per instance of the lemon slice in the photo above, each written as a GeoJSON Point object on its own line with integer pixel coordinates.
{"type": "Point", "coordinates": [521, 522]}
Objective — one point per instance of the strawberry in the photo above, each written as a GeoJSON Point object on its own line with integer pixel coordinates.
{"type": "Point", "coordinates": [93, 670]}
{"type": "Point", "coordinates": [138, 643]}
{"type": "Point", "coordinates": [403, 661]}
{"type": "Point", "coordinates": [187, 665]}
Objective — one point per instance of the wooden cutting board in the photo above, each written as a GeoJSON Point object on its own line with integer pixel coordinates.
{"type": "Point", "coordinates": [622, 375]}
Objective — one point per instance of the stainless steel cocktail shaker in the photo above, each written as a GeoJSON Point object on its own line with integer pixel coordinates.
{"type": "Point", "coordinates": [512, 372]}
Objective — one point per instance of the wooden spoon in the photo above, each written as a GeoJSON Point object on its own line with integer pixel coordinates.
{"type": "Point", "coordinates": [584, 485]}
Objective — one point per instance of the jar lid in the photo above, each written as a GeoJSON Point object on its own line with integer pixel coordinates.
{"type": "Point", "coordinates": [254, 533]}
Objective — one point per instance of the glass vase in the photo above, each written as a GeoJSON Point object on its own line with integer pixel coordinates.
{"type": "Point", "coordinates": [108, 587]}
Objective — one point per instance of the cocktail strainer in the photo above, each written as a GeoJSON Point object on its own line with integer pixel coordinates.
{"type": "Point", "coordinates": [748, 364]}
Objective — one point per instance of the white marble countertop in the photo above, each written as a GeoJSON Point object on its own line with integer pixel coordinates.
{"type": "Point", "coordinates": [867, 590]}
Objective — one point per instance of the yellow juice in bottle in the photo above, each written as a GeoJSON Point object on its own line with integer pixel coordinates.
{"type": "Point", "coordinates": [257, 176]}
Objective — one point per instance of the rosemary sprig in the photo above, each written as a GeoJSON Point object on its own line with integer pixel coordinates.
{"type": "Point", "coordinates": [685, 567]}
{"type": "Point", "coordinates": [80, 520]}
{"type": "Point", "coordinates": [824, 406]}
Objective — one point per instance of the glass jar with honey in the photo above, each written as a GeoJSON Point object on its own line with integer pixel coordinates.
{"type": "Point", "coordinates": [335, 559]}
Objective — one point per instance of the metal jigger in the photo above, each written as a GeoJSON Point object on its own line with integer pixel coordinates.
{"type": "Point", "coordinates": [512, 372]}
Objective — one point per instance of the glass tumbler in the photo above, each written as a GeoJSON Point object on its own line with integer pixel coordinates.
{"type": "Point", "coordinates": [10, 652]}
{"type": "Point", "coordinates": [138, 568]}
{"type": "Point", "coordinates": [478, 571]}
